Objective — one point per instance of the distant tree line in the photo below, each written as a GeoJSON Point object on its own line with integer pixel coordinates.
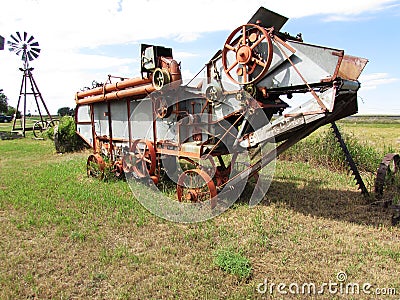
{"type": "Point", "coordinates": [8, 110]}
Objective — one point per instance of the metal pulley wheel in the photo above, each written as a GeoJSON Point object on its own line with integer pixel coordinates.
{"type": "Point", "coordinates": [252, 57]}
{"type": "Point", "coordinates": [196, 185]}
{"type": "Point", "coordinates": [213, 93]}
{"type": "Point", "coordinates": [161, 77]}
{"type": "Point", "coordinates": [161, 108]}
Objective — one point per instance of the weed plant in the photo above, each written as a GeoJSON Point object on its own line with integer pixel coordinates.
{"type": "Point", "coordinates": [323, 149]}
{"type": "Point", "coordinates": [233, 262]}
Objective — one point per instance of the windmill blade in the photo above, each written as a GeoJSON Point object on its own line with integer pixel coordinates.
{"type": "Point", "coordinates": [12, 44]}
{"type": "Point", "coordinates": [35, 44]}
{"type": "Point", "coordinates": [35, 49]}
{"type": "Point", "coordinates": [14, 38]}
{"type": "Point", "coordinates": [25, 36]}
{"type": "Point", "coordinates": [30, 39]}
{"type": "Point", "coordinates": [13, 48]}
{"type": "Point", "coordinates": [35, 55]}
{"type": "Point", "coordinates": [30, 57]}
{"type": "Point", "coordinates": [19, 35]}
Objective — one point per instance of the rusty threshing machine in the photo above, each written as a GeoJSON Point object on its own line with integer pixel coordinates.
{"type": "Point", "coordinates": [238, 101]}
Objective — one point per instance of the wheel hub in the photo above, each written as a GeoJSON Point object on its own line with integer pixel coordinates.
{"type": "Point", "coordinates": [243, 54]}
{"type": "Point", "coordinates": [191, 196]}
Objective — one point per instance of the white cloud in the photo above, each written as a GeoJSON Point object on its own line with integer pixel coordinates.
{"type": "Point", "coordinates": [372, 81]}
{"type": "Point", "coordinates": [185, 37]}
{"type": "Point", "coordinates": [64, 27]}
{"type": "Point", "coordinates": [344, 18]}
{"type": "Point", "coordinates": [178, 55]}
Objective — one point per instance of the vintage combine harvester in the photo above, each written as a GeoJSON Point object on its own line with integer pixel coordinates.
{"type": "Point", "coordinates": [144, 126]}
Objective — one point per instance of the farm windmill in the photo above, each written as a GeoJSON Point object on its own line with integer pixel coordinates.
{"type": "Point", "coordinates": [29, 50]}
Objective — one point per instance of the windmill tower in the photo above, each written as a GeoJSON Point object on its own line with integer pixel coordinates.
{"type": "Point", "coordinates": [28, 49]}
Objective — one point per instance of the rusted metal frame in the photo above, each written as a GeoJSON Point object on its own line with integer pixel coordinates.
{"type": "Point", "coordinates": [320, 103]}
{"type": "Point", "coordinates": [226, 132]}
{"type": "Point", "coordinates": [93, 128]}
{"type": "Point", "coordinates": [106, 139]}
{"type": "Point", "coordinates": [219, 124]}
{"type": "Point", "coordinates": [308, 113]}
{"type": "Point", "coordinates": [110, 131]}
{"type": "Point", "coordinates": [155, 132]}
{"type": "Point", "coordinates": [340, 54]}
{"type": "Point", "coordinates": [279, 40]}
{"type": "Point", "coordinates": [210, 112]}
{"type": "Point", "coordinates": [183, 154]}
{"type": "Point", "coordinates": [128, 107]}
{"type": "Point", "coordinates": [178, 153]}
{"type": "Point", "coordinates": [193, 105]}
{"type": "Point", "coordinates": [206, 104]}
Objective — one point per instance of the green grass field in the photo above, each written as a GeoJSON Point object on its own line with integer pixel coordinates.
{"type": "Point", "coordinates": [67, 236]}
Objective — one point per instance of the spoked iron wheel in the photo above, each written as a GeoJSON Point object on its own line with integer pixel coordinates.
{"type": "Point", "coordinates": [39, 128]}
{"type": "Point", "coordinates": [196, 186]}
{"type": "Point", "coordinates": [141, 159]}
{"type": "Point", "coordinates": [251, 63]}
{"type": "Point", "coordinates": [53, 123]}
{"type": "Point", "coordinates": [95, 166]}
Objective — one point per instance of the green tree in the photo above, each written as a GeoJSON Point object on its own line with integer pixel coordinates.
{"type": "Point", "coordinates": [11, 111]}
{"type": "Point", "coordinates": [65, 111]}
{"type": "Point", "coordinates": [3, 103]}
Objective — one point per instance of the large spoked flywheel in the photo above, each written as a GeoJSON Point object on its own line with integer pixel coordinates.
{"type": "Point", "coordinates": [248, 53]}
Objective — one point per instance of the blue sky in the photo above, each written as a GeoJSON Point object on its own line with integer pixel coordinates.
{"type": "Point", "coordinates": [86, 40]}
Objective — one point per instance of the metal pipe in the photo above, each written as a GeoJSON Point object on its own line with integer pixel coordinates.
{"type": "Point", "coordinates": [111, 87]}
{"type": "Point", "coordinates": [137, 91]}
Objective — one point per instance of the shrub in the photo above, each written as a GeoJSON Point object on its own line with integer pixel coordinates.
{"type": "Point", "coordinates": [64, 135]}
{"type": "Point", "coordinates": [323, 149]}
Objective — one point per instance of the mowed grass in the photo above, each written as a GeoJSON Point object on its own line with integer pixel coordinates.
{"type": "Point", "coordinates": [66, 236]}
